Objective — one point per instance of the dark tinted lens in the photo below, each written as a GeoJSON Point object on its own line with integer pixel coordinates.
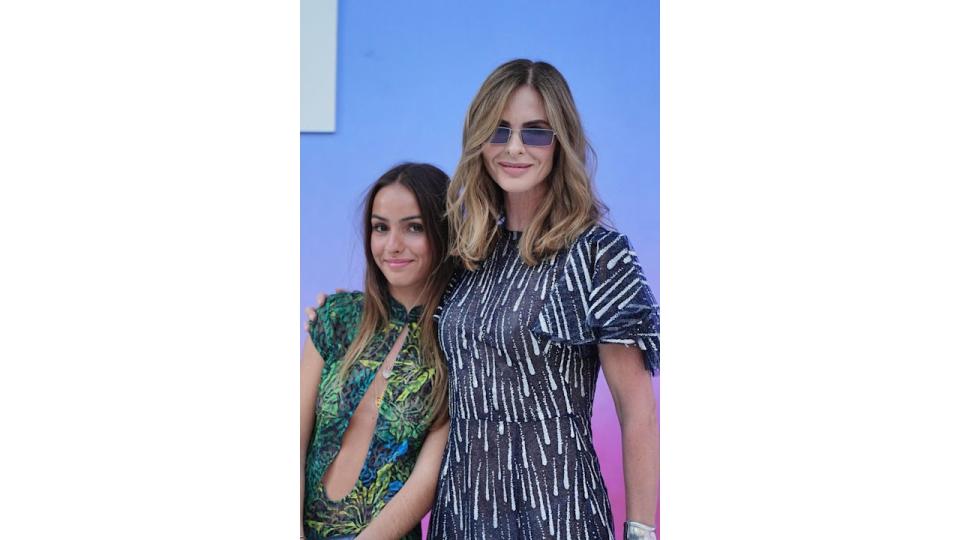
{"type": "Point", "coordinates": [537, 137]}
{"type": "Point", "coordinates": [500, 136]}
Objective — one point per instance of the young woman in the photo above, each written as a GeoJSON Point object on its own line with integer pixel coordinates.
{"type": "Point", "coordinates": [373, 403]}
{"type": "Point", "coordinates": [548, 297]}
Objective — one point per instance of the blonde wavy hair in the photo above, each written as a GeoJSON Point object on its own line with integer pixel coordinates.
{"type": "Point", "coordinates": [475, 202]}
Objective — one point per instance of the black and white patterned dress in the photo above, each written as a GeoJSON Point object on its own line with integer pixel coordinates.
{"type": "Point", "coordinates": [521, 347]}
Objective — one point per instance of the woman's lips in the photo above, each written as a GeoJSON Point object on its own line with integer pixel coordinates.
{"type": "Point", "coordinates": [397, 264]}
{"type": "Point", "coordinates": [514, 169]}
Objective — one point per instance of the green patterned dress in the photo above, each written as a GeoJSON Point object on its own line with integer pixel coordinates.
{"type": "Point", "coordinates": [401, 426]}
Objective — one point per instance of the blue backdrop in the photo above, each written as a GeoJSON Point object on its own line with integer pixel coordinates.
{"type": "Point", "coordinates": [406, 72]}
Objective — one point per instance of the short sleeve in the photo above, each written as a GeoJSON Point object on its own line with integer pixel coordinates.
{"type": "Point", "coordinates": [336, 324]}
{"type": "Point", "coordinates": [602, 296]}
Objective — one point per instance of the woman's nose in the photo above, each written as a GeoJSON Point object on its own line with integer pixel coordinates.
{"type": "Point", "coordinates": [515, 143]}
{"type": "Point", "coordinates": [394, 242]}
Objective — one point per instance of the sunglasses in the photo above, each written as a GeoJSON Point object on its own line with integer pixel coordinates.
{"type": "Point", "coordinates": [529, 136]}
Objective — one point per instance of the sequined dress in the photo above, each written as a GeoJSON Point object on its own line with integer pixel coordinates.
{"type": "Point", "coordinates": [521, 346]}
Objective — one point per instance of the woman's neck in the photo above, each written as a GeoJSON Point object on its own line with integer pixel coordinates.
{"type": "Point", "coordinates": [409, 297]}
{"type": "Point", "coordinates": [521, 207]}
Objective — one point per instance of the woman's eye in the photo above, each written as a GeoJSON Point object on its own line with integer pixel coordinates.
{"type": "Point", "coordinates": [379, 227]}
{"type": "Point", "coordinates": [416, 227]}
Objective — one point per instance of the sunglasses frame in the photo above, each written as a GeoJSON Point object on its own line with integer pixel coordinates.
{"type": "Point", "coordinates": [553, 135]}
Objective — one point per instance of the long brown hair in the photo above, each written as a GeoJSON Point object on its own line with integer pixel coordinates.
{"type": "Point", "coordinates": [474, 201]}
{"type": "Point", "coordinates": [428, 185]}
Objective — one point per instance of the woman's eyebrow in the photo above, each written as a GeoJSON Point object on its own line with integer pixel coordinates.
{"type": "Point", "coordinates": [408, 218]}
{"type": "Point", "coordinates": [531, 123]}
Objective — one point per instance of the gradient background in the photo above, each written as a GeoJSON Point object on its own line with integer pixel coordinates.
{"type": "Point", "coordinates": [406, 72]}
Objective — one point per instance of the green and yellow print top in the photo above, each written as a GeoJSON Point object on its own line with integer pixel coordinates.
{"type": "Point", "coordinates": [401, 425]}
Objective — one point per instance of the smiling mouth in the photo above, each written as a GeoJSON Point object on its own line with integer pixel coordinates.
{"type": "Point", "coordinates": [396, 264]}
{"type": "Point", "coordinates": [514, 166]}
{"type": "Point", "coordinates": [514, 170]}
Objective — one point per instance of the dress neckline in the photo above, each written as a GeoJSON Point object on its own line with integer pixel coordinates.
{"type": "Point", "coordinates": [502, 225]}
{"type": "Point", "coordinates": [398, 313]}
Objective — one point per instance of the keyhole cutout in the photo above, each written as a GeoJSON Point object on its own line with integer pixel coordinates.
{"type": "Point", "coordinates": [344, 472]}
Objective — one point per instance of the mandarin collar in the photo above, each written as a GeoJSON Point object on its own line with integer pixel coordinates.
{"type": "Point", "coordinates": [398, 313]}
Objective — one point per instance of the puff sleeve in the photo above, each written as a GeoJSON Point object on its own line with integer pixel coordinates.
{"type": "Point", "coordinates": [602, 296]}
{"type": "Point", "coordinates": [336, 325]}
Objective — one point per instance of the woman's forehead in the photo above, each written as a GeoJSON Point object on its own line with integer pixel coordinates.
{"type": "Point", "coordinates": [524, 105]}
{"type": "Point", "coordinates": [395, 199]}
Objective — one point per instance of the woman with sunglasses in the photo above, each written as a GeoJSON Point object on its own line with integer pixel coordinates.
{"type": "Point", "coordinates": [373, 382]}
{"type": "Point", "coordinates": [548, 296]}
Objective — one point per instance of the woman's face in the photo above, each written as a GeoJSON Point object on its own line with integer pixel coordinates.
{"type": "Point", "coordinates": [398, 241]}
{"type": "Point", "coordinates": [515, 167]}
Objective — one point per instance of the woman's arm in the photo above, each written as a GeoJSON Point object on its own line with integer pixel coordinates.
{"type": "Point", "coordinates": [632, 388]}
{"type": "Point", "coordinates": [311, 366]}
{"type": "Point", "coordinates": [414, 499]}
